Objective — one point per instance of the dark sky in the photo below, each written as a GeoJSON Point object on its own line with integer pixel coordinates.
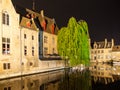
{"type": "Point", "coordinates": [102, 16]}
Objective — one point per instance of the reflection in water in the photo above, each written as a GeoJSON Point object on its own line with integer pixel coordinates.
{"type": "Point", "coordinates": [44, 81]}
{"type": "Point", "coordinates": [101, 73]}
{"type": "Point", "coordinates": [104, 73]}
{"type": "Point", "coordinates": [105, 76]}
{"type": "Point", "coordinates": [98, 77]}
{"type": "Point", "coordinates": [58, 80]}
{"type": "Point", "coordinates": [76, 81]}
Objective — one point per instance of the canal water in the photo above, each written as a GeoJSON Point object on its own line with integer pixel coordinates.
{"type": "Point", "coordinates": [97, 77]}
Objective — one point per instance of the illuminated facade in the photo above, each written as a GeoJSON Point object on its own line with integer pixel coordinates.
{"type": "Point", "coordinates": [116, 53]}
{"type": "Point", "coordinates": [102, 51]}
{"type": "Point", "coordinates": [22, 49]}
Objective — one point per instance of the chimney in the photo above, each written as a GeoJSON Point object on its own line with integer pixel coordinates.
{"type": "Point", "coordinates": [105, 42]}
{"type": "Point", "coordinates": [112, 40]}
{"type": "Point", "coordinates": [42, 13]}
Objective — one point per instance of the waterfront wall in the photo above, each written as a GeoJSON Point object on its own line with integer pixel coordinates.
{"type": "Point", "coordinates": [44, 66]}
{"type": "Point", "coordinates": [33, 82]}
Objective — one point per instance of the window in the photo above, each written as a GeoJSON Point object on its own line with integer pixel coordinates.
{"type": "Point", "coordinates": [25, 50]}
{"type": "Point", "coordinates": [32, 37]}
{"type": "Point", "coordinates": [98, 51]}
{"type": "Point", "coordinates": [45, 39]}
{"type": "Point", "coordinates": [95, 52]}
{"type": "Point", "coordinates": [98, 56]}
{"type": "Point", "coordinates": [102, 51]}
{"type": "Point", "coordinates": [5, 45]}
{"type": "Point", "coordinates": [6, 65]}
{"type": "Point", "coordinates": [32, 51]}
{"type": "Point", "coordinates": [7, 88]}
{"type": "Point", "coordinates": [95, 58]}
{"type": "Point", "coordinates": [91, 52]}
{"type": "Point", "coordinates": [25, 36]}
{"type": "Point", "coordinates": [5, 18]}
{"type": "Point", "coordinates": [45, 51]}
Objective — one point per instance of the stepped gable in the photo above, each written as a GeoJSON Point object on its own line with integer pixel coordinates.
{"type": "Point", "coordinates": [103, 44]}
{"type": "Point", "coordinates": [100, 44]}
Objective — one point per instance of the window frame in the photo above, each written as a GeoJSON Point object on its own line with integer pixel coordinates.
{"type": "Point", "coordinates": [5, 45]}
{"type": "Point", "coordinates": [5, 18]}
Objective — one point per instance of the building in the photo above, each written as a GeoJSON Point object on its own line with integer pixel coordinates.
{"type": "Point", "coordinates": [9, 38]}
{"type": "Point", "coordinates": [116, 53]}
{"type": "Point", "coordinates": [102, 51]}
{"type": "Point", "coordinates": [28, 41]}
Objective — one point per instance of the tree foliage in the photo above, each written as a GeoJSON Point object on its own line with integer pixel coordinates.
{"type": "Point", "coordinates": [73, 42]}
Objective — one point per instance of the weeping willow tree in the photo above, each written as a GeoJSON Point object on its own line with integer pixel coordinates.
{"type": "Point", "coordinates": [73, 42]}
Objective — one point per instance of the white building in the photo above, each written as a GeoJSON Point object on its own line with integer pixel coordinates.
{"type": "Point", "coordinates": [102, 51]}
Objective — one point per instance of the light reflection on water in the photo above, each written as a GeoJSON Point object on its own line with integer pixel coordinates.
{"type": "Point", "coordinates": [98, 77]}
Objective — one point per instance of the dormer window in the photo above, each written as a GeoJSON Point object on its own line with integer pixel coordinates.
{"type": "Point", "coordinates": [95, 46]}
{"type": "Point", "coordinates": [44, 24]}
{"type": "Point", "coordinates": [5, 18]}
{"type": "Point", "coordinates": [99, 45]}
{"type": "Point", "coordinates": [53, 28]}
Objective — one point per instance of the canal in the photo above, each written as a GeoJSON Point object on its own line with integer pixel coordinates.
{"type": "Point", "coordinates": [98, 77]}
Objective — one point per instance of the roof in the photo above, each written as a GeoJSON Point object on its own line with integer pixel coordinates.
{"type": "Point", "coordinates": [103, 44]}
{"type": "Point", "coordinates": [41, 22]}
{"type": "Point", "coordinates": [116, 48]}
{"type": "Point", "coordinates": [28, 23]}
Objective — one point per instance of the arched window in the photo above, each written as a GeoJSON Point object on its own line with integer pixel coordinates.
{"type": "Point", "coordinates": [5, 18]}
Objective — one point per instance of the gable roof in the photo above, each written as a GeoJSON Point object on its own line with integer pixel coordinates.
{"type": "Point", "coordinates": [27, 15]}
{"type": "Point", "coordinates": [28, 23]}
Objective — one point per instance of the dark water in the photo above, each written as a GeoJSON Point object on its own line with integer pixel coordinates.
{"type": "Point", "coordinates": [97, 77]}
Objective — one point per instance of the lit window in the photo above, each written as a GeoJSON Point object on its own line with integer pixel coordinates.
{"type": "Point", "coordinates": [5, 18]}
{"type": "Point", "coordinates": [5, 45]}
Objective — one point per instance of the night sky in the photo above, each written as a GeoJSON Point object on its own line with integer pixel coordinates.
{"type": "Point", "coordinates": [102, 16]}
